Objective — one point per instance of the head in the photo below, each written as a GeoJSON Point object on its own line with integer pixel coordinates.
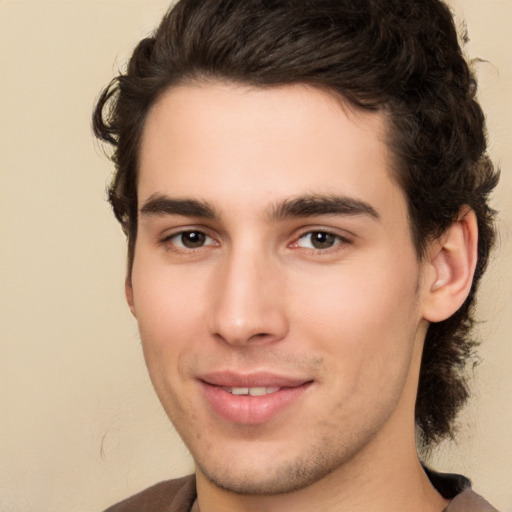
{"type": "Point", "coordinates": [401, 60]}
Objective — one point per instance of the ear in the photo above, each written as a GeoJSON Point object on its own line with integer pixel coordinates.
{"type": "Point", "coordinates": [128, 291]}
{"type": "Point", "coordinates": [450, 267]}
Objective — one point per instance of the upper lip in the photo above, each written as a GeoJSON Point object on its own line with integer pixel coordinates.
{"type": "Point", "coordinates": [231, 379]}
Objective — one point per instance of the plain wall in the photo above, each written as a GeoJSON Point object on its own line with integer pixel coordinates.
{"type": "Point", "coordinates": [80, 427]}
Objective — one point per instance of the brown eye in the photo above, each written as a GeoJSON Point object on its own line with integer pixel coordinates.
{"type": "Point", "coordinates": [319, 240]}
{"type": "Point", "coordinates": [192, 239]}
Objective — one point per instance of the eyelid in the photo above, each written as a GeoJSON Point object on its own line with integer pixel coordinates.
{"type": "Point", "coordinates": [344, 238]}
{"type": "Point", "coordinates": [166, 239]}
{"type": "Point", "coordinates": [319, 228]}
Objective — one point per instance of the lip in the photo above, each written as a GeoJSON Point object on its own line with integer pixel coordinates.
{"type": "Point", "coordinates": [244, 409]}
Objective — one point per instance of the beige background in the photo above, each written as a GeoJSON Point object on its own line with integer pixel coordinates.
{"type": "Point", "coordinates": [79, 425]}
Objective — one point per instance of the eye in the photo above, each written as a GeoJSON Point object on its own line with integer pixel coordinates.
{"type": "Point", "coordinates": [319, 240]}
{"type": "Point", "coordinates": [190, 239]}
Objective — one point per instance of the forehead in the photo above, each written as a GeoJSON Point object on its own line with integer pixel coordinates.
{"type": "Point", "coordinates": [233, 144]}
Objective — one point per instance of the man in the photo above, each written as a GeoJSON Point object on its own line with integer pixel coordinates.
{"type": "Point", "coordinates": [304, 190]}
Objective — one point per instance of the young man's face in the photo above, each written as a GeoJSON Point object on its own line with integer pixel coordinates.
{"type": "Point", "coordinates": [275, 283]}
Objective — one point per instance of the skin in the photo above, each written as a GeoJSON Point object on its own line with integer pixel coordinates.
{"type": "Point", "coordinates": [247, 289]}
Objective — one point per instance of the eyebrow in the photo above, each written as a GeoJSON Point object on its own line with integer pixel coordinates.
{"type": "Point", "coordinates": [303, 206]}
{"type": "Point", "coordinates": [163, 205]}
{"type": "Point", "coordinates": [311, 205]}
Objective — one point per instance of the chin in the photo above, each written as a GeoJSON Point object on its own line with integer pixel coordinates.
{"type": "Point", "coordinates": [272, 478]}
{"type": "Point", "coordinates": [279, 482]}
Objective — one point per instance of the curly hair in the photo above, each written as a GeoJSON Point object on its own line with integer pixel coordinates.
{"type": "Point", "coordinates": [401, 58]}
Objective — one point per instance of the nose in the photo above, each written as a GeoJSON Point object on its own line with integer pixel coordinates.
{"type": "Point", "coordinates": [248, 305]}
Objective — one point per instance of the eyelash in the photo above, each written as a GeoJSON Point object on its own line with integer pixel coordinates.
{"type": "Point", "coordinates": [338, 240]}
{"type": "Point", "coordinates": [167, 241]}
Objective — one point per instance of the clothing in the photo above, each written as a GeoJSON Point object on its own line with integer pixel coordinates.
{"type": "Point", "coordinates": [179, 495]}
{"type": "Point", "coordinates": [457, 488]}
{"type": "Point", "coordinates": [170, 496]}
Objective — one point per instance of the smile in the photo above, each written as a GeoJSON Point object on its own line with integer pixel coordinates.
{"type": "Point", "coordinates": [255, 391]}
{"type": "Point", "coordinates": [251, 399]}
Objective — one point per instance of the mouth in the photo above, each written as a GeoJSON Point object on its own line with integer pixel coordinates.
{"type": "Point", "coordinates": [255, 391]}
{"type": "Point", "coordinates": [251, 399]}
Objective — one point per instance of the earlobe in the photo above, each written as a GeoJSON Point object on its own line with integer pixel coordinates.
{"type": "Point", "coordinates": [452, 260]}
{"type": "Point", "coordinates": [128, 291]}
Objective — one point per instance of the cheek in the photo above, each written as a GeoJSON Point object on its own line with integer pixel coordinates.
{"type": "Point", "coordinates": [169, 307]}
{"type": "Point", "coordinates": [365, 317]}
{"type": "Point", "coordinates": [356, 301]}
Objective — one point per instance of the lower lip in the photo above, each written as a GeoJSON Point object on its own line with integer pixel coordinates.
{"type": "Point", "coordinates": [246, 409]}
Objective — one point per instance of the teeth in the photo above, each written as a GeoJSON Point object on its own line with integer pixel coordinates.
{"type": "Point", "coordinates": [239, 391]}
{"type": "Point", "coordinates": [256, 391]}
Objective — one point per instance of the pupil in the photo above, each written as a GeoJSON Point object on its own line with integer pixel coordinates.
{"type": "Point", "coordinates": [193, 239]}
{"type": "Point", "coordinates": [322, 240]}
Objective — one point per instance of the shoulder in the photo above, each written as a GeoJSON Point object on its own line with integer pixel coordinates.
{"type": "Point", "coordinates": [457, 488]}
{"type": "Point", "coordinates": [469, 501]}
{"type": "Point", "coordinates": [170, 496]}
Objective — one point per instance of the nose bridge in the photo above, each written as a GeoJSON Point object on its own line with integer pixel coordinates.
{"type": "Point", "coordinates": [248, 305]}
